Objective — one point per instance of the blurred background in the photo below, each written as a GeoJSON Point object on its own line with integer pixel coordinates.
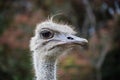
{"type": "Point", "coordinates": [96, 20]}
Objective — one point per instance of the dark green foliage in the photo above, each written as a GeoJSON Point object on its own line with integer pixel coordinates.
{"type": "Point", "coordinates": [111, 65]}
{"type": "Point", "coordinates": [15, 65]}
{"type": "Point", "coordinates": [4, 22]}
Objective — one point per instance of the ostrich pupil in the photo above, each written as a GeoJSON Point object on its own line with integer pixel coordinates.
{"type": "Point", "coordinates": [46, 34]}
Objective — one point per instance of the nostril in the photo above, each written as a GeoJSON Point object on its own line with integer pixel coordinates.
{"type": "Point", "coordinates": [70, 38]}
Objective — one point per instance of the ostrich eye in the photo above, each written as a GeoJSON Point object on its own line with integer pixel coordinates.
{"type": "Point", "coordinates": [46, 34]}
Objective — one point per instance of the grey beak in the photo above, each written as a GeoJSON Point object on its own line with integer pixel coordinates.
{"type": "Point", "coordinates": [78, 40]}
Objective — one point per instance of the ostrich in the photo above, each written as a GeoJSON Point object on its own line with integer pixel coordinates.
{"type": "Point", "coordinates": [51, 40]}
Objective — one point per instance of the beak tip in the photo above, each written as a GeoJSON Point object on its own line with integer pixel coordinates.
{"type": "Point", "coordinates": [85, 42]}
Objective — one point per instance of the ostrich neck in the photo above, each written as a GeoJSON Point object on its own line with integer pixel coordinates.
{"type": "Point", "coordinates": [44, 69]}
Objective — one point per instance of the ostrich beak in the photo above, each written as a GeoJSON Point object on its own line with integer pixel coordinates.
{"type": "Point", "coordinates": [65, 39]}
{"type": "Point", "coordinates": [77, 40]}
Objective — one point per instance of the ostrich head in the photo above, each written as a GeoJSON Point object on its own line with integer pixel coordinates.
{"type": "Point", "coordinates": [52, 39]}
